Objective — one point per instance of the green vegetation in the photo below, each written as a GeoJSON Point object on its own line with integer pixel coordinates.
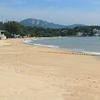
{"type": "Point", "coordinates": [14, 28]}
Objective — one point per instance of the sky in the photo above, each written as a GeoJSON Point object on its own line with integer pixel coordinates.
{"type": "Point", "coordinates": [64, 12]}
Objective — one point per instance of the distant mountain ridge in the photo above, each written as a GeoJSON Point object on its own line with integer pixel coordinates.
{"type": "Point", "coordinates": [44, 24]}
{"type": "Point", "coordinates": [40, 23]}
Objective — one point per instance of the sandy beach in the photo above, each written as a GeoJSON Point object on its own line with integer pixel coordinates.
{"type": "Point", "coordinates": [38, 73]}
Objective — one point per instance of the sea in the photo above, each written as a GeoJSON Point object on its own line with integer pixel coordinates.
{"type": "Point", "coordinates": [85, 45]}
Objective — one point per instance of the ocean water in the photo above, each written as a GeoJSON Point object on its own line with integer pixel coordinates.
{"type": "Point", "coordinates": [89, 45]}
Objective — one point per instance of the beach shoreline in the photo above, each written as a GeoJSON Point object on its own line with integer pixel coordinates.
{"type": "Point", "coordinates": [30, 72]}
{"type": "Point", "coordinates": [68, 51]}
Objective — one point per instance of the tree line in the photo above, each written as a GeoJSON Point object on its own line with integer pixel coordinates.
{"type": "Point", "coordinates": [14, 28]}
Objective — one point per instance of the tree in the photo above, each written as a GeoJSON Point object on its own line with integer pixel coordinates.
{"type": "Point", "coordinates": [1, 25]}
{"type": "Point", "coordinates": [13, 27]}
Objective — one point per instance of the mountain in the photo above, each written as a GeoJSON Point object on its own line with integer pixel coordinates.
{"type": "Point", "coordinates": [41, 23]}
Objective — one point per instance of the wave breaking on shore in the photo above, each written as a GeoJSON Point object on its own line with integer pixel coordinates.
{"type": "Point", "coordinates": [71, 51]}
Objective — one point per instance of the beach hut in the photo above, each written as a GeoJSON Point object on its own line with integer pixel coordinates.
{"type": "Point", "coordinates": [2, 35]}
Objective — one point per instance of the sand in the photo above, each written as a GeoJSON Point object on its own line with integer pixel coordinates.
{"type": "Point", "coordinates": [37, 73]}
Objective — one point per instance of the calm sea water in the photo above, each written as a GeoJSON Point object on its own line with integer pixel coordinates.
{"type": "Point", "coordinates": [83, 44]}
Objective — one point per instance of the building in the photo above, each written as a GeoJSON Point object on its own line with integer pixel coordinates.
{"type": "Point", "coordinates": [2, 35]}
{"type": "Point", "coordinates": [80, 34]}
{"type": "Point", "coordinates": [96, 32]}
{"type": "Point", "coordinates": [2, 31]}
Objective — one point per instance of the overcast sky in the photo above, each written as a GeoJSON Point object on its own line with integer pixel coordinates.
{"type": "Point", "coordinates": [58, 11]}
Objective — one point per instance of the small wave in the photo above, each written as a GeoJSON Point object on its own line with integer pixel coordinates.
{"type": "Point", "coordinates": [50, 46]}
{"type": "Point", "coordinates": [31, 42]}
{"type": "Point", "coordinates": [27, 41]}
{"type": "Point", "coordinates": [92, 53]}
{"type": "Point", "coordinates": [82, 52]}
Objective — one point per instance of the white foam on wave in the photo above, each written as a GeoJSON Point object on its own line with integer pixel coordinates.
{"type": "Point", "coordinates": [49, 46]}
{"type": "Point", "coordinates": [82, 52]}
{"type": "Point", "coordinates": [92, 53]}
{"type": "Point", "coordinates": [88, 52]}
{"type": "Point", "coordinates": [44, 45]}
{"type": "Point", "coordinates": [27, 41]}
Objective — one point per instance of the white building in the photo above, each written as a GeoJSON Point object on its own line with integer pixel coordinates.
{"type": "Point", "coordinates": [96, 32]}
{"type": "Point", "coordinates": [80, 34]}
{"type": "Point", "coordinates": [2, 36]}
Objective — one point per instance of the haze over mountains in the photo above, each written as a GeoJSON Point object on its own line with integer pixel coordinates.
{"type": "Point", "coordinates": [45, 24]}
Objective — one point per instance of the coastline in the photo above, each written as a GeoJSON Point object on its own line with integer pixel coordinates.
{"type": "Point", "coordinates": [70, 51]}
{"type": "Point", "coordinates": [41, 73]}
